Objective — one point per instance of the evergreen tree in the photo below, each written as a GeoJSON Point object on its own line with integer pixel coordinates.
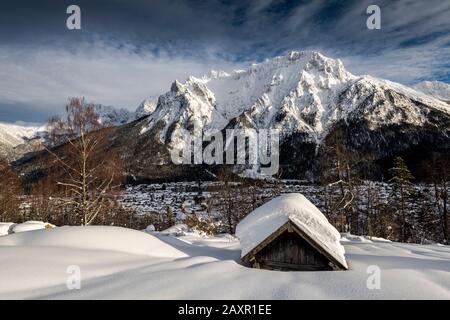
{"type": "Point", "coordinates": [426, 225]}
{"type": "Point", "coordinates": [402, 191]}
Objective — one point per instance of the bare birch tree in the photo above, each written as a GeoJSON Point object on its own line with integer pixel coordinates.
{"type": "Point", "coordinates": [90, 173]}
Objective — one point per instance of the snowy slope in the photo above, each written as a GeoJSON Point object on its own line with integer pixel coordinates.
{"type": "Point", "coordinates": [146, 107]}
{"type": "Point", "coordinates": [15, 135]}
{"type": "Point", "coordinates": [437, 89]}
{"type": "Point", "coordinates": [268, 218]}
{"type": "Point", "coordinates": [301, 84]}
{"type": "Point", "coordinates": [210, 270]}
{"type": "Point", "coordinates": [16, 139]}
{"type": "Point", "coordinates": [113, 116]}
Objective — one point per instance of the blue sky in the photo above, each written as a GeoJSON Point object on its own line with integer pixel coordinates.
{"type": "Point", "coordinates": [128, 50]}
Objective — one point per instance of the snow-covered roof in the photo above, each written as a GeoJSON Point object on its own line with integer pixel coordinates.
{"type": "Point", "coordinates": [294, 207]}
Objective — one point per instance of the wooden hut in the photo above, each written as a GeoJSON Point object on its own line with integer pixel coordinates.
{"type": "Point", "coordinates": [289, 233]}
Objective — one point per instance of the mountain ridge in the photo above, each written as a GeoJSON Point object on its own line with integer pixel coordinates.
{"type": "Point", "coordinates": [437, 89]}
{"type": "Point", "coordinates": [309, 97]}
{"type": "Point", "coordinates": [301, 93]}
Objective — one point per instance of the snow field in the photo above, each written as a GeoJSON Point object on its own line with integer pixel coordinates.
{"type": "Point", "coordinates": [34, 265]}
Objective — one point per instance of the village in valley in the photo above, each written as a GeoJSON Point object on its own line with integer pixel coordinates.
{"type": "Point", "coordinates": [204, 199]}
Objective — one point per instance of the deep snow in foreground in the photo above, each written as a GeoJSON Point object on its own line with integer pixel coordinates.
{"type": "Point", "coordinates": [122, 263]}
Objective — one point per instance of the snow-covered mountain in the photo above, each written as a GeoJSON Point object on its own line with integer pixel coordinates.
{"type": "Point", "coordinates": [113, 116]}
{"type": "Point", "coordinates": [312, 99]}
{"type": "Point", "coordinates": [299, 92]}
{"type": "Point", "coordinates": [299, 86]}
{"type": "Point", "coordinates": [146, 107]}
{"type": "Point", "coordinates": [437, 89]}
{"type": "Point", "coordinates": [13, 134]}
{"type": "Point", "coordinates": [19, 138]}
{"type": "Point", "coordinates": [305, 95]}
{"type": "Point", "coordinates": [14, 137]}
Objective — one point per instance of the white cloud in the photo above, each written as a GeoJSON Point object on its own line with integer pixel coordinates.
{"type": "Point", "coordinates": [46, 77]}
{"type": "Point", "coordinates": [405, 65]}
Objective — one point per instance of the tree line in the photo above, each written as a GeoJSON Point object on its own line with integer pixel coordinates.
{"type": "Point", "coordinates": [408, 211]}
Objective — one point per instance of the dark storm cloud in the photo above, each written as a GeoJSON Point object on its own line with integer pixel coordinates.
{"type": "Point", "coordinates": [235, 29]}
{"type": "Point", "coordinates": [127, 50]}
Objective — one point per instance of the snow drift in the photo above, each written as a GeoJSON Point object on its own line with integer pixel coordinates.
{"type": "Point", "coordinates": [10, 227]}
{"type": "Point", "coordinates": [95, 238]}
{"type": "Point", "coordinates": [30, 226]}
{"type": "Point", "coordinates": [6, 228]}
{"type": "Point", "coordinates": [265, 220]}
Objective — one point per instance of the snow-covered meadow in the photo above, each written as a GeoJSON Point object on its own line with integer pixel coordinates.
{"type": "Point", "coordinates": [122, 263]}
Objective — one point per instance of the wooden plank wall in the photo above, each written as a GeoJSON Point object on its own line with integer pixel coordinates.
{"type": "Point", "coordinates": [289, 251]}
